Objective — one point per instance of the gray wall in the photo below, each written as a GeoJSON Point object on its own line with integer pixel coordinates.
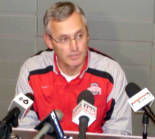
{"type": "Point", "coordinates": [122, 28]}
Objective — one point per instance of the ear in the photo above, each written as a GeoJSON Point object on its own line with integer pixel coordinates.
{"type": "Point", "coordinates": [47, 41]}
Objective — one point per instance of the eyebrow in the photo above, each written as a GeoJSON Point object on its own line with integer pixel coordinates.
{"type": "Point", "coordinates": [78, 31]}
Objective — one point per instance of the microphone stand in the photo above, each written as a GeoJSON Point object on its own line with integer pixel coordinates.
{"type": "Point", "coordinates": [2, 129]}
{"type": "Point", "coordinates": [5, 130]}
{"type": "Point", "coordinates": [83, 124]}
{"type": "Point", "coordinates": [145, 122]}
{"type": "Point", "coordinates": [7, 123]}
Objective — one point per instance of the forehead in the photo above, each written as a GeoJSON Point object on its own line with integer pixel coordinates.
{"type": "Point", "coordinates": [70, 25]}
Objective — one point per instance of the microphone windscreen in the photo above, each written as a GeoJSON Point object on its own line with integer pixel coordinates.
{"type": "Point", "coordinates": [59, 114]}
{"type": "Point", "coordinates": [132, 89]}
{"type": "Point", "coordinates": [30, 95]}
{"type": "Point", "coordinates": [87, 96]}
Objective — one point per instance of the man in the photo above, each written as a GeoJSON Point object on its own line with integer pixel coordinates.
{"type": "Point", "coordinates": [58, 75]}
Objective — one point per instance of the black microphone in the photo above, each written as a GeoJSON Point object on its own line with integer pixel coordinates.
{"type": "Point", "coordinates": [140, 97]}
{"type": "Point", "coordinates": [19, 106]}
{"type": "Point", "coordinates": [84, 114]}
{"type": "Point", "coordinates": [51, 126]}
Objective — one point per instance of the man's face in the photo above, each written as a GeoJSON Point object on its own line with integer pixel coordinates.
{"type": "Point", "coordinates": [70, 41]}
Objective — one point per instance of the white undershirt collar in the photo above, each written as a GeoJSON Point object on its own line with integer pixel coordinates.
{"type": "Point", "coordinates": [67, 77]}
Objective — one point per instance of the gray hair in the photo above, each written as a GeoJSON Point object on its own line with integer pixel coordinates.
{"type": "Point", "coordinates": [60, 11]}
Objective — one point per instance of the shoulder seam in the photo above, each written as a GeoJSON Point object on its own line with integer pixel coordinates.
{"type": "Point", "coordinates": [100, 74]}
{"type": "Point", "coordinates": [40, 71]}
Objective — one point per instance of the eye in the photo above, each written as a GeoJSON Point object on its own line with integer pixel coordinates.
{"type": "Point", "coordinates": [79, 36]}
{"type": "Point", "coordinates": [64, 39]}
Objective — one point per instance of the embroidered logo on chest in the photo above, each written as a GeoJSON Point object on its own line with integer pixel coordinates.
{"type": "Point", "coordinates": [95, 89]}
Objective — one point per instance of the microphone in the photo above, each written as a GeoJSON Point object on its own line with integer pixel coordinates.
{"type": "Point", "coordinates": [18, 108]}
{"type": "Point", "coordinates": [145, 122]}
{"type": "Point", "coordinates": [43, 131]}
{"type": "Point", "coordinates": [50, 125]}
{"type": "Point", "coordinates": [140, 99]}
{"type": "Point", "coordinates": [84, 114]}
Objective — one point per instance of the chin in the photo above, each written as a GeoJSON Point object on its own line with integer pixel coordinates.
{"type": "Point", "coordinates": [74, 65]}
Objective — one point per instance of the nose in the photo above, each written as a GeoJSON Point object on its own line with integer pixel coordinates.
{"type": "Point", "coordinates": [73, 45]}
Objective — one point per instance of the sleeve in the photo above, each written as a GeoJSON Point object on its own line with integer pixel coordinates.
{"type": "Point", "coordinates": [120, 121]}
{"type": "Point", "coordinates": [22, 86]}
{"type": "Point", "coordinates": [22, 82]}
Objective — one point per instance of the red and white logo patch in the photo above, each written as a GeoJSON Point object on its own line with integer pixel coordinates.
{"type": "Point", "coordinates": [95, 89]}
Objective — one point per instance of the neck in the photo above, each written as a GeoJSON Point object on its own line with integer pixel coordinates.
{"type": "Point", "coordinates": [70, 71]}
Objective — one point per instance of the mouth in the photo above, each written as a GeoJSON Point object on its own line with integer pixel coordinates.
{"type": "Point", "coordinates": [74, 56]}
